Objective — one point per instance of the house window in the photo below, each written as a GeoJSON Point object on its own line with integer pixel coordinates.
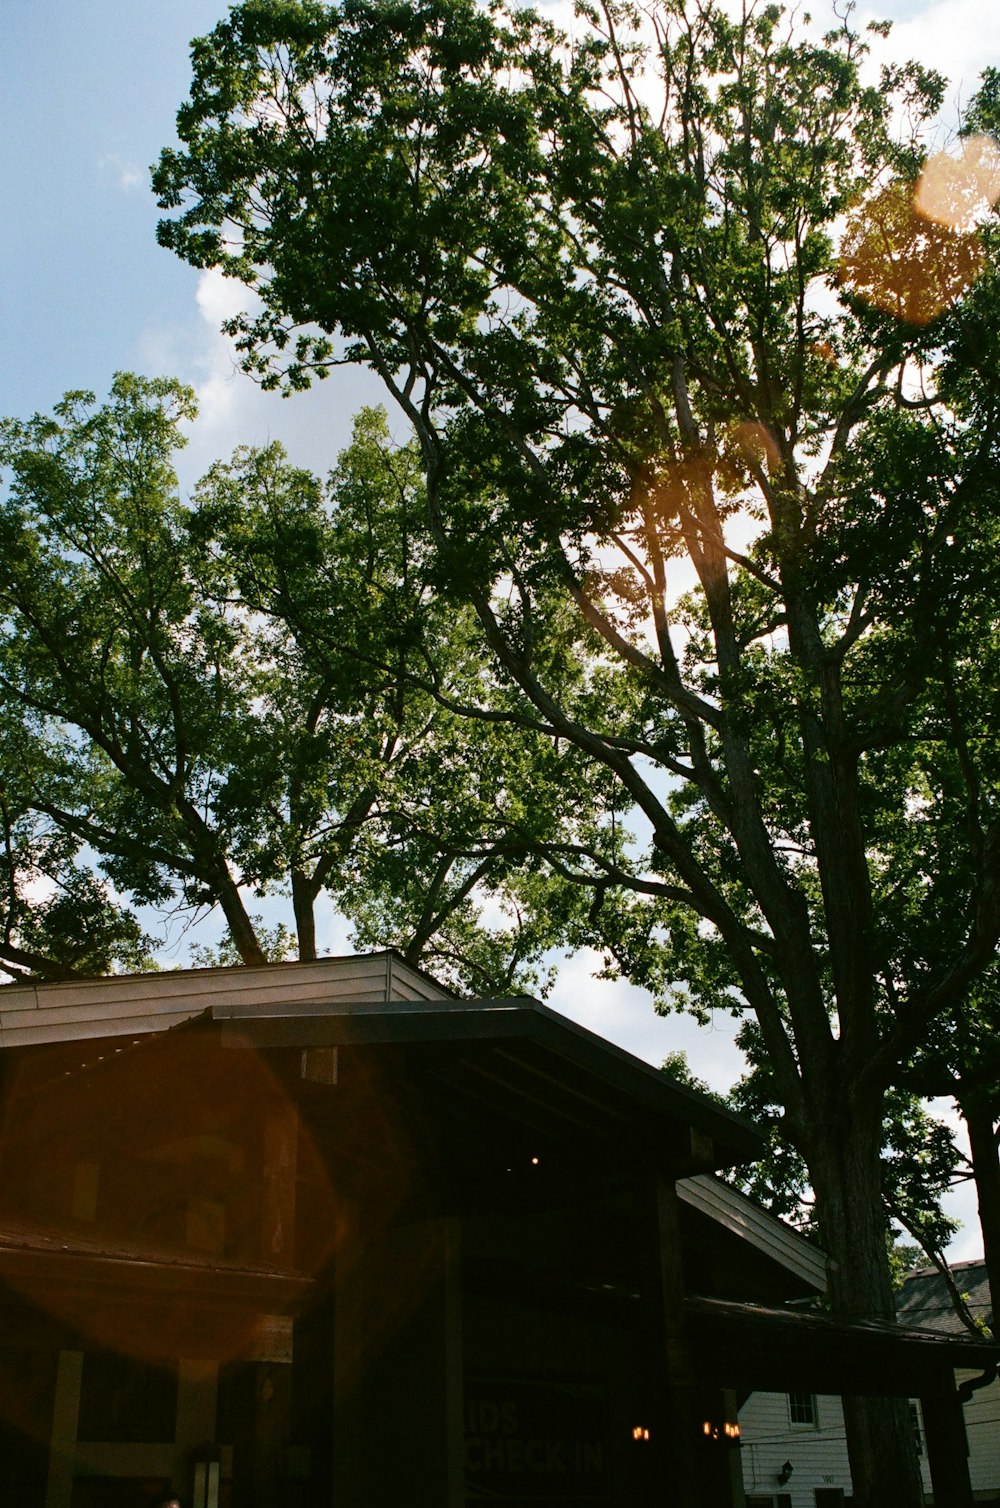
{"type": "Point", "coordinates": [802, 1410]}
{"type": "Point", "coordinates": [829, 1497]}
{"type": "Point", "coordinates": [918, 1438]}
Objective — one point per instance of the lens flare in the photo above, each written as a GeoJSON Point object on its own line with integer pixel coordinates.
{"type": "Point", "coordinates": [959, 190]}
{"type": "Point", "coordinates": [896, 259]}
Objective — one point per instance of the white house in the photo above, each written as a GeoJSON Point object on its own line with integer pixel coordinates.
{"type": "Point", "coordinates": [794, 1453]}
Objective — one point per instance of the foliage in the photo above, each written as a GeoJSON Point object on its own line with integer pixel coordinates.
{"type": "Point", "coordinates": [601, 276]}
{"type": "Point", "coordinates": [59, 919]}
{"type": "Point", "coordinates": [245, 692]}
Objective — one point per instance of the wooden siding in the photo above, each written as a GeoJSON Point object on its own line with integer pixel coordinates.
{"type": "Point", "coordinates": [818, 1455]}
{"type": "Point", "coordinates": [728, 1208]}
{"type": "Point", "coordinates": [131, 1004]}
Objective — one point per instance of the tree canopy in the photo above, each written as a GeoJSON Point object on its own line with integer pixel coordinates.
{"type": "Point", "coordinates": [228, 696]}
{"type": "Point", "coordinates": [700, 345]}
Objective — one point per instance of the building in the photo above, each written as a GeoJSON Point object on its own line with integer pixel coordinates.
{"type": "Point", "coordinates": [924, 1303]}
{"type": "Point", "coordinates": [794, 1453]}
{"type": "Point", "coordinates": [325, 1234]}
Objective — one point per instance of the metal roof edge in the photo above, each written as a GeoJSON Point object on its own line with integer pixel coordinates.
{"type": "Point", "coordinates": [511, 1016]}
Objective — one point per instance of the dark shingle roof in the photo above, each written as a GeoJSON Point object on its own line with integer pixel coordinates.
{"type": "Point", "coordinates": [924, 1301]}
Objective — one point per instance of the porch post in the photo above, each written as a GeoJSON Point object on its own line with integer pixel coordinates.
{"type": "Point", "coordinates": [720, 1466]}
{"type": "Point", "coordinates": [65, 1414]}
{"type": "Point", "coordinates": [673, 1423]}
{"type": "Point", "coordinates": [398, 1389]}
{"type": "Point", "coordinates": [260, 1460]}
{"type": "Point", "coordinates": [947, 1447]}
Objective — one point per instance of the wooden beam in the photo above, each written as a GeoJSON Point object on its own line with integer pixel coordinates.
{"type": "Point", "coordinates": [947, 1447]}
{"type": "Point", "coordinates": [672, 1425]}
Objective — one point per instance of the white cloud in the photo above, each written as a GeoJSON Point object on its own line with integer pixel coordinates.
{"type": "Point", "coordinates": [960, 1203]}
{"type": "Point", "coordinates": [623, 1014]}
{"type": "Point", "coordinates": [957, 37]}
{"type": "Point", "coordinates": [233, 408]}
{"type": "Point", "coordinates": [220, 386]}
{"type": "Point", "coordinates": [220, 298]}
{"type": "Point", "coordinates": [128, 175]}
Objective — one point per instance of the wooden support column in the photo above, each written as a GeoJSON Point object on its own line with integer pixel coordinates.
{"type": "Point", "coordinates": [271, 1406]}
{"type": "Point", "coordinates": [947, 1447]}
{"type": "Point", "coordinates": [65, 1414]}
{"type": "Point", "coordinates": [673, 1439]}
{"type": "Point", "coordinates": [27, 1400]}
{"type": "Point", "coordinates": [197, 1408]}
{"type": "Point", "coordinates": [398, 1428]}
{"type": "Point", "coordinates": [720, 1468]}
{"type": "Point", "coordinates": [349, 1369]}
{"type": "Point", "coordinates": [260, 1458]}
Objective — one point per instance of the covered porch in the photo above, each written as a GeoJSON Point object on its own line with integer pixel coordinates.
{"type": "Point", "coordinates": [323, 1235]}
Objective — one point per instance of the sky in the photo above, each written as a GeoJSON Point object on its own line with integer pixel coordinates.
{"type": "Point", "coordinates": [89, 97]}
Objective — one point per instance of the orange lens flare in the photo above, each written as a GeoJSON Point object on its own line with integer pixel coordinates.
{"type": "Point", "coordinates": [957, 190]}
{"type": "Point", "coordinates": [900, 261]}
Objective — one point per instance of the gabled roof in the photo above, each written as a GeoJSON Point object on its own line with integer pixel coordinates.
{"type": "Point", "coordinates": [506, 1048]}
{"type": "Point", "coordinates": [728, 1208]}
{"type": "Point", "coordinates": [924, 1300]}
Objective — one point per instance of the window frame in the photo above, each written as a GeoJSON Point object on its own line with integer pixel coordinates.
{"type": "Point", "coordinates": [797, 1402]}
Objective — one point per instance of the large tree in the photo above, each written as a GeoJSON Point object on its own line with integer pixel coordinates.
{"type": "Point", "coordinates": [215, 699]}
{"type": "Point", "coordinates": [690, 351]}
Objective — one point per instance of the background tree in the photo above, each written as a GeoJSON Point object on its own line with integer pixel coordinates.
{"type": "Point", "coordinates": [960, 1060]}
{"type": "Point", "coordinates": [368, 669]}
{"type": "Point", "coordinates": [602, 279]}
{"type": "Point", "coordinates": [58, 918]}
{"type": "Point", "coordinates": [226, 698]}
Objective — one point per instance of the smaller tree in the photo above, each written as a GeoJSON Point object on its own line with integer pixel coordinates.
{"type": "Point", "coordinates": [58, 918]}
{"type": "Point", "coordinates": [259, 691]}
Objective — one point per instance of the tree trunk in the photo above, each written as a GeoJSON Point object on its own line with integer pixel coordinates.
{"type": "Point", "coordinates": [845, 1168]}
{"type": "Point", "coordinates": [241, 928]}
{"type": "Point", "coordinates": [303, 906]}
{"type": "Point", "coordinates": [980, 1121]}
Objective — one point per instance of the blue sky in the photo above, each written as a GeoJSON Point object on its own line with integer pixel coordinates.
{"type": "Point", "coordinates": [89, 99]}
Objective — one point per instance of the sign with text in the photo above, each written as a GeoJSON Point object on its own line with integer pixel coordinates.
{"type": "Point", "coordinates": [535, 1441]}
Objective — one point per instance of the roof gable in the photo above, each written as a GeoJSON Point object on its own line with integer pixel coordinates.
{"type": "Point", "coordinates": [131, 1004]}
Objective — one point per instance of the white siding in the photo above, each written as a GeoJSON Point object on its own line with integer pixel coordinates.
{"type": "Point", "coordinates": [818, 1456]}
{"type": "Point", "coordinates": [982, 1429]}
{"type": "Point", "coordinates": [130, 1004]}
